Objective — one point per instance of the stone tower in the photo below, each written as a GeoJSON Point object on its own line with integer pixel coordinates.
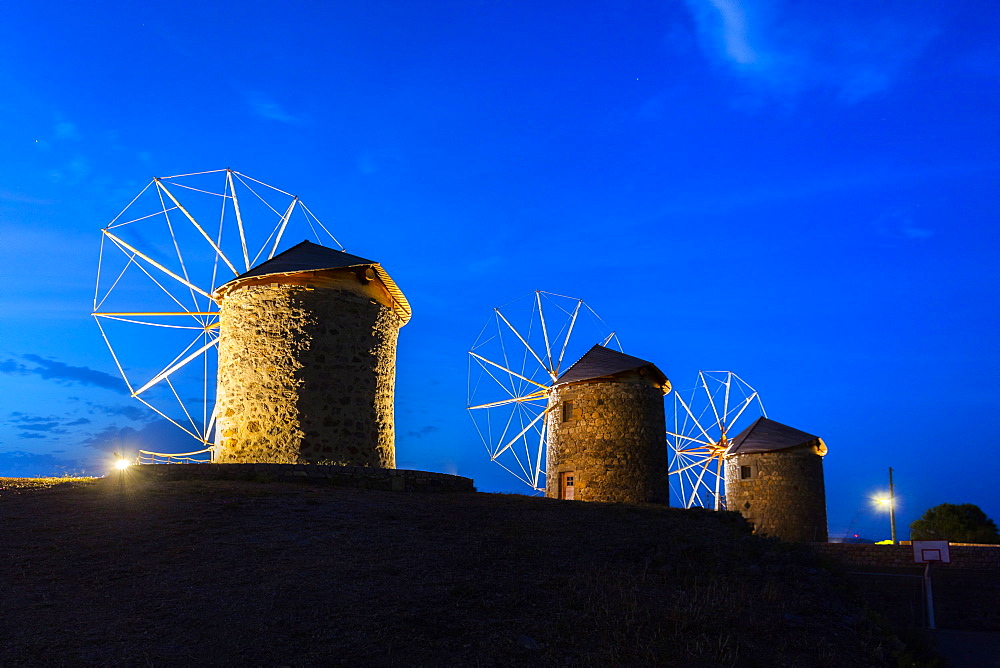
{"type": "Point", "coordinates": [607, 431]}
{"type": "Point", "coordinates": [307, 361]}
{"type": "Point", "coordinates": [774, 478]}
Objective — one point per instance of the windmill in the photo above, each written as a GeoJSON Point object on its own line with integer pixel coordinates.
{"type": "Point", "coordinates": [700, 426]}
{"type": "Point", "coordinates": [162, 259]}
{"type": "Point", "coordinates": [517, 358]}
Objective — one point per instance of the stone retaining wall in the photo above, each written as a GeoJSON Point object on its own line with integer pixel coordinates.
{"type": "Point", "coordinates": [363, 477]}
{"type": "Point", "coordinates": [866, 556]}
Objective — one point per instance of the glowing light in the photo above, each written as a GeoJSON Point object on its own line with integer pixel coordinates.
{"type": "Point", "coordinates": [122, 464]}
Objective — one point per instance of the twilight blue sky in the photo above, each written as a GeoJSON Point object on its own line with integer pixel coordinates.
{"type": "Point", "coordinates": [802, 192]}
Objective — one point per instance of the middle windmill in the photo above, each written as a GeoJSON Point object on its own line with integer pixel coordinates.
{"type": "Point", "coordinates": [541, 404]}
{"type": "Point", "coordinates": [514, 363]}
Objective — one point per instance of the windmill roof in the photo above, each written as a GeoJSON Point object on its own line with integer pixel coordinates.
{"type": "Point", "coordinates": [305, 256]}
{"type": "Point", "coordinates": [766, 435]}
{"type": "Point", "coordinates": [308, 256]}
{"type": "Point", "coordinates": [599, 362]}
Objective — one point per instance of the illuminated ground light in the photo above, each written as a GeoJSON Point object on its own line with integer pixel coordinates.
{"type": "Point", "coordinates": [122, 464]}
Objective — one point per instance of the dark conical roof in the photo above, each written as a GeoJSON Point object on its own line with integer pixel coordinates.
{"type": "Point", "coordinates": [599, 362]}
{"type": "Point", "coordinates": [766, 435]}
{"type": "Point", "coordinates": [308, 256]}
{"type": "Point", "coordinates": [305, 256]}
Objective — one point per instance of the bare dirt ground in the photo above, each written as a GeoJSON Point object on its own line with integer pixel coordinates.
{"type": "Point", "coordinates": [121, 572]}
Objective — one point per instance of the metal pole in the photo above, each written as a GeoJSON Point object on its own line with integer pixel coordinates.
{"type": "Point", "coordinates": [930, 596]}
{"type": "Point", "coordinates": [892, 508]}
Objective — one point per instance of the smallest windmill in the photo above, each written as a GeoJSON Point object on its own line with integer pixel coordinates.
{"type": "Point", "coordinates": [774, 478]}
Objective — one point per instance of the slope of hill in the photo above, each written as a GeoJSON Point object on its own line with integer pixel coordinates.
{"type": "Point", "coordinates": [240, 572]}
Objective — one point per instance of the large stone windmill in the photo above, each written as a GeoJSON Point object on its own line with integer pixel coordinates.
{"type": "Point", "coordinates": [307, 360]}
{"type": "Point", "coordinates": [199, 294]}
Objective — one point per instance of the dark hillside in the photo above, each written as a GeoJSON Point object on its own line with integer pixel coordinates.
{"type": "Point", "coordinates": [229, 572]}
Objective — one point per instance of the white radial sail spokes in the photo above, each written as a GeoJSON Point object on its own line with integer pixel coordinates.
{"type": "Point", "coordinates": [162, 258]}
{"type": "Point", "coordinates": [518, 356]}
{"type": "Point", "coordinates": [703, 422]}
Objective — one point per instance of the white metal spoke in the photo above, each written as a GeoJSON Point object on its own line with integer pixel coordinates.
{"type": "Point", "coordinates": [239, 218]}
{"type": "Point", "coordinates": [704, 433]}
{"type": "Point", "coordinates": [194, 222]}
{"type": "Point", "coordinates": [169, 370]}
{"type": "Point", "coordinates": [146, 228]}
{"type": "Point", "coordinates": [197, 190]}
{"type": "Point", "coordinates": [180, 176]}
{"type": "Point", "coordinates": [718, 406]}
{"type": "Point", "coordinates": [513, 373]}
{"type": "Point", "coordinates": [711, 403]}
{"type": "Point", "coordinates": [170, 419]}
{"type": "Point", "coordinates": [141, 218]}
{"type": "Point", "coordinates": [536, 396]}
{"type": "Point", "coordinates": [689, 438]}
{"type": "Point", "coordinates": [131, 260]}
{"type": "Point", "coordinates": [521, 433]}
{"type": "Point", "coordinates": [150, 324]}
{"type": "Point", "coordinates": [284, 224]}
{"type": "Point", "coordinates": [181, 403]}
{"type": "Point", "coordinates": [746, 404]}
{"type": "Point", "coordinates": [244, 176]}
{"type": "Point", "coordinates": [321, 225]}
{"type": "Point", "coordinates": [118, 364]}
{"type": "Point", "coordinates": [545, 335]}
{"type": "Point", "coordinates": [541, 449]}
{"type": "Point", "coordinates": [572, 324]}
{"type": "Point", "coordinates": [506, 389]}
{"type": "Point", "coordinates": [526, 345]}
{"type": "Point", "coordinates": [129, 205]}
{"type": "Point", "coordinates": [156, 264]}
{"type": "Point", "coordinates": [173, 240]}
{"type": "Point", "coordinates": [523, 370]}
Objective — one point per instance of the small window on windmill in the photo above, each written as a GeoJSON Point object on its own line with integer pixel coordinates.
{"type": "Point", "coordinates": [746, 472]}
{"type": "Point", "coordinates": [568, 411]}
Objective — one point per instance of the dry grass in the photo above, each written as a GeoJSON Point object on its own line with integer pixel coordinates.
{"type": "Point", "coordinates": [120, 572]}
{"type": "Point", "coordinates": [11, 484]}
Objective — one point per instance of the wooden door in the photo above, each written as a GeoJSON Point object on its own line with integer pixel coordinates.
{"type": "Point", "coordinates": [566, 485]}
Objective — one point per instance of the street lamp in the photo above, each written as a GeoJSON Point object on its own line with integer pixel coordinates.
{"type": "Point", "coordinates": [891, 502]}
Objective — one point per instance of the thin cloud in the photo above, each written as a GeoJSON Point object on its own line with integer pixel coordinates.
{"type": "Point", "coordinates": [270, 110]}
{"type": "Point", "coordinates": [734, 31]}
{"type": "Point", "coordinates": [47, 427]}
{"type": "Point", "coordinates": [134, 413]}
{"type": "Point", "coordinates": [66, 130]}
{"type": "Point", "coordinates": [898, 223]}
{"type": "Point", "coordinates": [61, 372]}
{"type": "Point", "coordinates": [785, 49]}
{"type": "Point", "coordinates": [36, 425]}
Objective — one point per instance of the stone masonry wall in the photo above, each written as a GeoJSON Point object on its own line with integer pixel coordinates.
{"type": "Point", "coordinates": [616, 445]}
{"type": "Point", "coordinates": [867, 556]}
{"type": "Point", "coordinates": [785, 495]}
{"type": "Point", "coordinates": [306, 374]}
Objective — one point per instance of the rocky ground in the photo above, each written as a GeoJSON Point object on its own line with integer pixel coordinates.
{"type": "Point", "coordinates": [121, 572]}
